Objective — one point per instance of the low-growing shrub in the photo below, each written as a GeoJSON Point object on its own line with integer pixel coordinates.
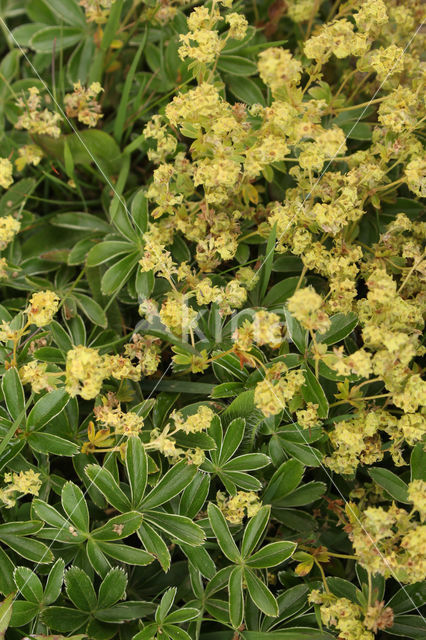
{"type": "Point", "coordinates": [212, 273]}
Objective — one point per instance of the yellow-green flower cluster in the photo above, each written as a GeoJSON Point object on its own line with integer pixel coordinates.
{"type": "Point", "coordinates": [83, 105]}
{"type": "Point", "coordinates": [236, 508]}
{"type": "Point", "coordinates": [9, 227]}
{"type": "Point", "coordinates": [6, 169]}
{"type": "Point", "coordinates": [22, 482]}
{"type": "Point", "coordinates": [389, 542]}
{"type": "Point", "coordinates": [42, 307]}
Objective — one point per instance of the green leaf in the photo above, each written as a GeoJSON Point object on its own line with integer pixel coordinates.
{"type": "Point", "coordinates": [97, 557]}
{"type": "Point", "coordinates": [23, 612]}
{"type": "Point", "coordinates": [285, 479]}
{"type": "Point", "coordinates": [80, 222]}
{"type": "Point", "coordinates": [254, 530]}
{"type": "Point", "coordinates": [20, 528]}
{"type": "Point", "coordinates": [119, 527]}
{"type": "Point", "coordinates": [172, 483]}
{"type": "Point", "coordinates": [7, 584]}
{"type": "Point", "coordinates": [289, 603]}
{"type": "Point", "coordinates": [54, 582]}
{"type": "Point", "coordinates": [113, 588]}
{"type": "Point", "coordinates": [28, 584]}
{"type": "Point", "coordinates": [343, 588]}
{"type": "Point", "coordinates": [87, 146]}
{"type": "Point", "coordinates": [265, 269]}
{"type": "Point", "coordinates": [408, 626]}
{"type": "Point", "coordinates": [183, 615]}
{"type": "Point", "coordinates": [236, 66]}
{"type": "Point", "coordinates": [91, 309]}
{"type": "Point", "coordinates": [28, 548]}
{"type": "Point", "coordinates": [222, 533]}
{"type": "Point", "coordinates": [271, 555]}
{"type": "Point", "coordinates": [108, 250]}
{"type": "Point", "coordinates": [112, 26]}
{"type": "Point", "coordinates": [176, 633]}
{"type": "Point", "coordinates": [313, 392]}
{"type": "Point", "coordinates": [118, 274]}
{"type": "Point", "coordinates": [154, 544]}
{"type": "Point", "coordinates": [232, 440]}
{"type": "Point", "coordinates": [120, 117]}
{"type": "Point", "coordinates": [47, 407]}
{"type": "Point", "coordinates": [137, 469]}
{"type": "Point", "coordinates": [16, 196]}
{"type": "Point", "coordinates": [75, 506]}
{"type": "Point", "coordinates": [139, 210]}
{"type": "Point", "coordinates": [236, 597]}
{"type": "Point", "coordinates": [69, 11]}
{"type": "Point", "coordinates": [304, 453]}
{"type": "Point", "coordinates": [103, 480]}
{"type": "Point", "coordinates": [245, 90]}
{"type": "Point", "coordinates": [49, 443]}
{"type": "Point", "coordinates": [391, 483]}
{"type": "Point", "coordinates": [165, 605]}
{"type": "Point", "coordinates": [260, 594]}
{"type": "Point", "coordinates": [298, 335]}
{"type": "Point", "coordinates": [50, 39]}
{"type": "Point", "coordinates": [418, 463]}
{"type": "Point", "coordinates": [13, 394]}
{"type": "Point", "coordinates": [176, 527]}
{"type": "Point", "coordinates": [125, 611]}
{"type": "Point", "coordinates": [80, 589]}
{"type": "Point", "coordinates": [248, 462]}
{"type": "Point", "coordinates": [341, 326]}
{"type": "Point", "coordinates": [357, 130]}
{"type": "Point", "coordinates": [48, 514]}
{"type": "Point", "coordinates": [63, 618]}
{"type": "Point", "coordinates": [5, 614]}
{"type": "Point", "coordinates": [201, 560]}
{"type": "Point", "coordinates": [60, 336]}
{"type": "Point", "coordinates": [409, 597]}
{"type": "Point", "coordinates": [194, 495]}
{"type": "Point", "coordinates": [280, 292]}
{"type": "Point", "coordinates": [305, 494]}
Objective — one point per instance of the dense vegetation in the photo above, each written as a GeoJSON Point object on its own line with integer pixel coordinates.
{"type": "Point", "coordinates": [212, 274]}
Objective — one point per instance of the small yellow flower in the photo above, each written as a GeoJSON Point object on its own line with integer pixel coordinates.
{"type": "Point", "coordinates": [9, 227]}
{"type": "Point", "coordinates": [6, 169]}
{"type": "Point", "coordinates": [43, 306]}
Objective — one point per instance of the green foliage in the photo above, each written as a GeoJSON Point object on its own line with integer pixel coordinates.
{"type": "Point", "coordinates": [211, 263]}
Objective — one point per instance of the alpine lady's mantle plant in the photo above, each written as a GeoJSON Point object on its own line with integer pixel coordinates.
{"type": "Point", "coordinates": [212, 269]}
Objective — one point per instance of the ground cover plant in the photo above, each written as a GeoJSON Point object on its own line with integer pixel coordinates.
{"type": "Point", "coordinates": [212, 297]}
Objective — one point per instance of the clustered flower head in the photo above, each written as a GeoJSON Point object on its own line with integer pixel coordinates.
{"type": "Point", "coordinates": [38, 376]}
{"type": "Point", "coordinates": [165, 442]}
{"type": "Point", "coordinates": [9, 227]}
{"type": "Point", "coordinates": [22, 482]}
{"type": "Point", "coordinates": [97, 10]}
{"type": "Point", "coordinates": [6, 169]}
{"type": "Point", "coordinates": [236, 508]}
{"type": "Point", "coordinates": [349, 619]}
{"type": "Point", "coordinates": [277, 389]}
{"type": "Point", "coordinates": [391, 542]}
{"type": "Point", "coordinates": [42, 307]}
{"type": "Point", "coordinates": [307, 307]}
{"type": "Point", "coordinates": [83, 105]}
{"type": "Point", "coordinates": [35, 119]}
{"type": "Point", "coordinates": [28, 154]}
